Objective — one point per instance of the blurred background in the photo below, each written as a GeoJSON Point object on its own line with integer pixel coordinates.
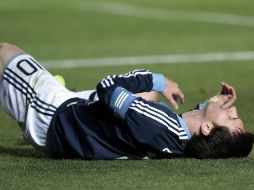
{"type": "Point", "coordinates": [197, 43]}
{"type": "Point", "coordinates": [145, 33]}
{"type": "Point", "coordinates": [57, 29]}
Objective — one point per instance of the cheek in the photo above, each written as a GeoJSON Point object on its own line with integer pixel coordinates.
{"type": "Point", "coordinates": [221, 120]}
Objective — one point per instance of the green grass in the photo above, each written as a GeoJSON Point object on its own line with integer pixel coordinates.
{"type": "Point", "coordinates": [59, 30]}
{"type": "Point", "coordinates": [158, 174]}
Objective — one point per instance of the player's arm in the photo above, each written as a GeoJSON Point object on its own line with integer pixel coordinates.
{"type": "Point", "coordinates": [136, 81]}
{"type": "Point", "coordinates": [145, 119]}
{"type": "Point", "coordinates": [139, 81]}
{"type": "Point", "coordinates": [149, 96]}
{"type": "Point", "coordinates": [92, 95]}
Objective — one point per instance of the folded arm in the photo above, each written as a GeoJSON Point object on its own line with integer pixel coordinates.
{"type": "Point", "coordinates": [139, 81]}
{"type": "Point", "coordinates": [145, 120]}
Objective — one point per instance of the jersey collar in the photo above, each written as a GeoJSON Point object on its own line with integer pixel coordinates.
{"type": "Point", "coordinates": [184, 126]}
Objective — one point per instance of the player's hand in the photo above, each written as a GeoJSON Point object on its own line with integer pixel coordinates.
{"type": "Point", "coordinates": [173, 93]}
{"type": "Point", "coordinates": [226, 97]}
{"type": "Point", "coordinates": [229, 91]}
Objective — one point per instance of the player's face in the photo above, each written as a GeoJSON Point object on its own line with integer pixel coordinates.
{"type": "Point", "coordinates": [225, 117]}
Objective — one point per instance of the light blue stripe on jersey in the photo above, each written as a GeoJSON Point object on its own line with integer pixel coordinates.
{"type": "Point", "coordinates": [158, 82]}
{"type": "Point", "coordinates": [184, 126]}
{"type": "Point", "coordinates": [120, 101]}
{"type": "Point", "coordinates": [203, 105]}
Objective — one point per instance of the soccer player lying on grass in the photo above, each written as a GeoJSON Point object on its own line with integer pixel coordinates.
{"type": "Point", "coordinates": [120, 124]}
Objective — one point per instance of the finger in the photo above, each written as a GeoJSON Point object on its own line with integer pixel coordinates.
{"type": "Point", "coordinates": [228, 88]}
{"type": "Point", "coordinates": [178, 99]}
{"type": "Point", "coordinates": [181, 97]}
{"type": "Point", "coordinates": [228, 104]}
{"type": "Point", "coordinates": [222, 100]}
{"type": "Point", "coordinates": [173, 102]}
{"type": "Point", "coordinates": [224, 88]}
{"type": "Point", "coordinates": [222, 84]}
{"type": "Point", "coordinates": [233, 92]}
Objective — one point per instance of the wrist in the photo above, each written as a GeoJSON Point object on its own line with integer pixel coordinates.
{"type": "Point", "coordinates": [159, 82]}
{"type": "Point", "coordinates": [214, 98]}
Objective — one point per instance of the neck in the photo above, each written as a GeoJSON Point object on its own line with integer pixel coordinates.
{"type": "Point", "coordinates": [193, 120]}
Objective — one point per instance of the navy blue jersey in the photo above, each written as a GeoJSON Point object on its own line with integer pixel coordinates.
{"type": "Point", "coordinates": [119, 125]}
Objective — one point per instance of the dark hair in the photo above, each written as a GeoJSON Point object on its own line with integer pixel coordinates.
{"type": "Point", "coordinates": [220, 143]}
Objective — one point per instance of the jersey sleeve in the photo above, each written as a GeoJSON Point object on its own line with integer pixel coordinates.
{"type": "Point", "coordinates": [135, 82]}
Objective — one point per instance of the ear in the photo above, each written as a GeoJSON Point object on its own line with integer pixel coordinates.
{"type": "Point", "coordinates": [206, 127]}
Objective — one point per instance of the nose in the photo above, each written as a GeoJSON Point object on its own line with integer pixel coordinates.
{"type": "Point", "coordinates": [242, 126]}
